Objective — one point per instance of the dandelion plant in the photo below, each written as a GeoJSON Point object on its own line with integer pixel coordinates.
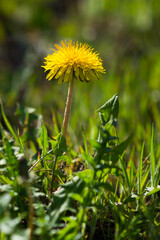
{"type": "Point", "coordinates": [72, 61]}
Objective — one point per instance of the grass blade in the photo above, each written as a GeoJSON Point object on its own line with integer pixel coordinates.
{"type": "Point", "coordinates": [152, 162]}
{"type": "Point", "coordinates": [125, 172]}
{"type": "Point", "coordinates": [131, 169]}
{"type": "Point", "coordinates": [140, 171]}
{"type": "Point", "coordinates": [44, 139]}
{"type": "Point", "coordinates": [8, 124]}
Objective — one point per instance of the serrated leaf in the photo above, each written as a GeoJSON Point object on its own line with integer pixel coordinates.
{"type": "Point", "coordinates": [59, 145]}
{"type": "Point", "coordinates": [122, 146]}
{"type": "Point", "coordinates": [109, 111]}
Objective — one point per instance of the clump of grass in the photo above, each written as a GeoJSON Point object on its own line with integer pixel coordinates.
{"type": "Point", "coordinates": [99, 192]}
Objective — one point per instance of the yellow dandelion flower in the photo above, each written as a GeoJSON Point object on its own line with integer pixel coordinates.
{"type": "Point", "coordinates": [73, 60]}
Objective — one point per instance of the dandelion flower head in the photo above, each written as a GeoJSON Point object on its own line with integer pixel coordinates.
{"type": "Point", "coordinates": [73, 60]}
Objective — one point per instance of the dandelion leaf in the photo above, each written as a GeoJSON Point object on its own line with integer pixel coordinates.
{"type": "Point", "coordinates": [109, 111]}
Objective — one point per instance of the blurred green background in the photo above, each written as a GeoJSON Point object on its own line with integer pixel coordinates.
{"type": "Point", "coordinates": [125, 33]}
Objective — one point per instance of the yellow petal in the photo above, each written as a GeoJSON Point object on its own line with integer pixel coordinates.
{"type": "Point", "coordinates": [60, 72]}
{"type": "Point", "coordinates": [76, 70]}
{"type": "Point", "coordinates": [68, 75]}
{"type": "Point", "coordinates": [61, 78]}
{"type": "Point", "coordinates": [52, 73]}
{"type": "Point", "coordinates": [68, 57]}
{"type": "Point", "coordinates": [92, 75]}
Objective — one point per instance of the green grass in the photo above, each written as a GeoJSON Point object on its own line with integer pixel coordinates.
{"type": "Point", "coordinates": [100, 190]}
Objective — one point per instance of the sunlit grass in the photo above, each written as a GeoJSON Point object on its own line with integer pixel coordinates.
{"type": "Point", "coordinates": [105, 187]}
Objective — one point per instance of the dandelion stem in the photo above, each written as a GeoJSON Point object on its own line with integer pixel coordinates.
{"type": "Point", "coordinates": [67, 109]}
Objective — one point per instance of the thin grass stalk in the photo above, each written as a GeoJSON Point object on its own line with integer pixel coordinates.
{"type": "Point", "coordinates": [152, 162]}
{"type": "Point", "coordinates": [140, 171]}
{"type": "Point", "coordinates": [52, 178]}
{"type": "Point", "coordinates": [125, 173]}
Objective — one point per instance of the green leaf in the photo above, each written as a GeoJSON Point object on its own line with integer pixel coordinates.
{"type": "Point", "coordinates": [152, 166]}
{"type": "Point", "coordinates": [21, 144]}
{"type": "Point", "coordinates": [44, 139]}
{"type": "Point", "coordinates": [105, 186]}
{"type": "Point", "coordinates": [125, 173]}
{"type": "Point", "coordinates": [151, 190]}
{"type": "Point", "coordinates": [131, 168]}
{"type": "Point", "coordinates": [140, 171]}
{"type": "Point", "coordinates": [145, 176]}
{"type": "Point", "coordinates": [8, 225]}
{"type": "Point", "coordinates": [4, 201]}
{"type": "Point", "coordinates": [59, 145]}
{"type": "Point", "coordinates": [5, 179]}
{"type": "Point", "coordinates": [59, 205]}
{"type": "Point", "coordinates": [55, 125]}
{"type": "Point", "coordinates": [86, 175]}
{"type": "Point", "coordinates": [69, 232]}
{"type": "Point", "coordinates": [75, 185]}
{"type": "Point", "coordinates": [76, 197]}
{"type": "Point", "coordinates": [132, 198]}
{"type": "Point", "coordinates": [122, 146]}
{"type": "Point", "coordinates": [110, 110]}
{"type": "Point", "coordinates": [85, 143]}
{"type": "Point", "coordinates": [8, 124]}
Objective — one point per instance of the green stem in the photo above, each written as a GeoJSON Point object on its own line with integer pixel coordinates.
{"type": "Point", "coordinates": [67, 109]}
{"type": "Point", "coordinates": [52, 178]}
{"type": "Point", "coordinates": [64, 127]}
